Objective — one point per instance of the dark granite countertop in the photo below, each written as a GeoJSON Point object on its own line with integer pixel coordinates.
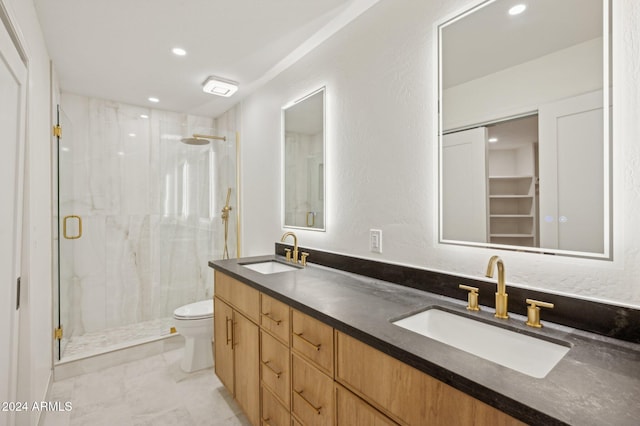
{"type": "Point", "coordinates": [596, 383]}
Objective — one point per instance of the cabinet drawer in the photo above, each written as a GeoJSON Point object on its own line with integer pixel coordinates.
{"type": "Point", "coordinates": [408, 395]}
{"type": "Point", "coordinates": [312, 393]}
{"type": "Point", "coordinates": [313, 339]}
{"type": "Point", "coordinates": [273, 413]}
{"type": "Point", "coordinates": [274, 316]}
{"type": "Point", "coordinates": [243, 298]}
{"type": "Point", "coordinates": [353, 411]}
{"type": "Point", "coordinates": [274, 365]}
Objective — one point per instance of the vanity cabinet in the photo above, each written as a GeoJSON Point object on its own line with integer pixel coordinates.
{"type": "Point", "coordinates": [293, 369]}
{"type": "Point", "coordinates": [236, 342]}
{"type": "Point", "coordinates": [405, 394]}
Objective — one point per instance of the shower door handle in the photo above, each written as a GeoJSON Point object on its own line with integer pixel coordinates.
{"type": "Point", "coordinates": [64, 227]}
{"type": "Point", "coordinates": [311, 222]}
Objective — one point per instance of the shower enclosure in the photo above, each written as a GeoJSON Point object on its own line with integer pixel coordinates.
{"type": "Point", "coordinates": [139, 215]}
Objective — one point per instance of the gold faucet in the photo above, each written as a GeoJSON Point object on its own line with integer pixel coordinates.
{"type": "Point", "coordinates": [501, 294]}
{"type": "Point", "coordinates": [294, 257]}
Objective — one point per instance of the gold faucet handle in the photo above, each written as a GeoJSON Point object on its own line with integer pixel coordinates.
{"type": "Point", "coordinates": [303, 258]}
{"type": "Point", "coordinates": [472, 298]}
{"type": "Point", "coordinates": [533, 312]}
{"type": "Point", "coordinates": [287, 254]}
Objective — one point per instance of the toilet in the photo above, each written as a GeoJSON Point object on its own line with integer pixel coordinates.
{"type": "Point", "coordinates": [195, 323]}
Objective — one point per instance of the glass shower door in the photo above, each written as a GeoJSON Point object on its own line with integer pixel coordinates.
{"type": "Point", "coordinates": [68, 230]}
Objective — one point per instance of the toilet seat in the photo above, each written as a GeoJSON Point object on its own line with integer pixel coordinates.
{"type": "Point", "coordinates": [194, 311]}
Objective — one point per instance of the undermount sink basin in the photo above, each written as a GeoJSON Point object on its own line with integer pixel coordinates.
{"type": "Point", "coordinates": [526, 354]}
{"type": "Point", "coordinates": [270, 267]}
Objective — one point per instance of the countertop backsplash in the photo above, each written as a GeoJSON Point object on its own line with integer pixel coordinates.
{"type": "Point", "coordinates": [605, 319]}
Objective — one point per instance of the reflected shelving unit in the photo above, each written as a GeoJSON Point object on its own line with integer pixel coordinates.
{"type": "Point", "coordinates": [512, 210]}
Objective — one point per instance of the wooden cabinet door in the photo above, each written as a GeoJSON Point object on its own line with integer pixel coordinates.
{"type": "Point", "coordinates": [223, 342]}
{"type": "Point", "coordinates": [353, 411]}
{"type": "Point", "coordinates": [247, 372]}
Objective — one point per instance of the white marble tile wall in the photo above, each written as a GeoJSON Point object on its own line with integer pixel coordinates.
{"type": "Point", "coordinates": [148, 226]}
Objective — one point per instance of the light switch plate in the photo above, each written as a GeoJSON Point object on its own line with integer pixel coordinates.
{"type": "Point", "coordinates": [375, 240]}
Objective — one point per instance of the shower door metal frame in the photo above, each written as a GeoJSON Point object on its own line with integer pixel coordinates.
{"type": "Point", "coordinates": [57, 334]}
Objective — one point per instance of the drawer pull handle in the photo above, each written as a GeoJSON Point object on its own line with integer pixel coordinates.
{"type": "Point", "coordinates": [278, 374]}
{"type": "Point", "coordinates": [317, 409]}
{"type": "Point", "coordinates": [316, 347]}
{"type": "Point", "coordinates": [266, 421]}
{"type": "Point", "coordinates": [226, 330]}
{"type": "Point", "coordinates": [268, 315]}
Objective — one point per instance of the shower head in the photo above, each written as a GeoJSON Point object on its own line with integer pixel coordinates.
{"type": "Point", "coordinates": [201, 139]}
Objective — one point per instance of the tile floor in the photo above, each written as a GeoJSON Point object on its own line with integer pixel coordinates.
{"type": "Point", "coordinates": [150, 392]}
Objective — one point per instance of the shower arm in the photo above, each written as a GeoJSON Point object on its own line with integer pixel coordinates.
{"type": "Point", "coordinates": [218, 138]}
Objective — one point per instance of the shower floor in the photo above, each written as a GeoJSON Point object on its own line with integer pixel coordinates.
{"type": "Point", "coordinates": [98, 342]}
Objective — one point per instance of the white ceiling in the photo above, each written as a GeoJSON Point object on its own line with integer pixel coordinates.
{"type": "Point", "coordinates": [501, 41]}
{"type": "Point", "coordinates": [121, 49]}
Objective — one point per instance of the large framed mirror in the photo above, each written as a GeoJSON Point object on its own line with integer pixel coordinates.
{"type": "Point", "coordinates": [303, 143]}
{"type": "Point", "coordinates": [525, 127]}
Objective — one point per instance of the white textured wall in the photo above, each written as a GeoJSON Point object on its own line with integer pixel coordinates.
{"type": "Point", "coordinates": [524, 87]}
{"type": "Point", "coordinates": [380, 74]}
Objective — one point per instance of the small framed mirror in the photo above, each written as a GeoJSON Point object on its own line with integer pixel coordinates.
{"type": "Point", "coordinates": [525, 127]}
{"type": "Point", "coordinates": [303, 143]}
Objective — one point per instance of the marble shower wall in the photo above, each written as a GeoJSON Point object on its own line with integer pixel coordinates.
{"type": "Point", "coordinates": [150, 209]}
{"type": "Point", "coordinates": [304, 178]}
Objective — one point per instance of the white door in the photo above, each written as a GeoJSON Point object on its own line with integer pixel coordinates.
{"type": "Point", "coordinates": [12, 123]}
{"type": "Point", "coordinates": [464, 185]}
{"type": "Point", "coordinates": [571, 153]}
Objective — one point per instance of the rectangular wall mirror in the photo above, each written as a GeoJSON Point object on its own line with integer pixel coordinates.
{"type": "Point", "coordinates": [524, 127]}
{"type": "Point", "coordinates": [303, 140]}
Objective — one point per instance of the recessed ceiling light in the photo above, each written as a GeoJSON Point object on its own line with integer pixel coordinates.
{"type": "Point", "coordinates": [144, 116]}
{"type": "Point", "coordinates": [179, 51]}
{"type": "Point", "coordinates": [219, 86]}
{"type": "Point", "coordinates": [493, 140]}
{"type": "Point", "coordinates": [133, 135]}
{"type": "Point", "coordinates": [154, 100]}
{"type": "Point", "coordinates": [517, 9]}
